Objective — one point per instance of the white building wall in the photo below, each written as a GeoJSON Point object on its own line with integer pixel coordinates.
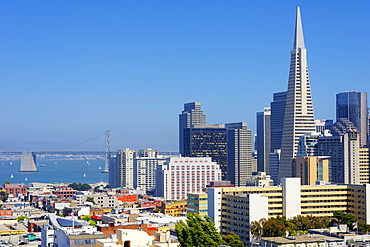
{"type": "Point", "coordinates": [214, 206]}
{"type": "Point", "coordinates": [291, 197]}
{"type": "Point", "coordinates": [367, 203]}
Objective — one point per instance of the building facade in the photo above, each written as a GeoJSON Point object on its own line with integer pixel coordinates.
{"type": "Point", "coordinates": [121, 169]}
{"type": "Point", "coordinates": [207, 141]}
{"type": "Point", "coordinates": [191, 116]}
{"type": "Point", "coordinates": [353, 106]}
{"type": "Point", "coordinates": [239, 153]}
{"type": "Point", "coordinates": [232, 209]}
{"type": "Point", "coordinates": [144, 169]}
{"type": "Point", "coordinates": [311, 169]}
{"type": "Point", "coordinates": [263, 140]}
{"type": "Point", "coordinates": [179, 176]}
{"type": "Point", "coordinates": [299, 114]}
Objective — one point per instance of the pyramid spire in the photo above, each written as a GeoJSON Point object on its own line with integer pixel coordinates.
{"type": "Point", "coordinates": [298, 41]}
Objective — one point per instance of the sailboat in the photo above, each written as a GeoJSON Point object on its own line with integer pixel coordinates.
{"type": "Point", "coordinates": [56, 163]}
{"type": "Point", "coordinates": [99, 167]}
{"type": "Point", "coordinates": [11, 162]}
{"type": "Point", "coordinates": [84, 175]}
{"type": "Point", "coordinates": [26, 179]}
{"type": "Point", "coordinates": [11, 176]}
{"type": "Point", "coordinates": [87, 162]}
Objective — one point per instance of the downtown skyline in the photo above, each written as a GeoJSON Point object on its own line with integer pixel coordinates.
{"type": "Point", "coordinates": [71, 73]}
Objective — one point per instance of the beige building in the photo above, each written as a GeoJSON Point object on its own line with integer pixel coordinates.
{"type": "Point", "coordinates": [197, 203]}
{"type": "Point", "coordinates": [364, 165]}
{"type": "Point", "coordinates": [303, 241]}
{"type": "Point", "coordinates": [232, 209]}
{"type": "Point", "coordinates": [311, 169]}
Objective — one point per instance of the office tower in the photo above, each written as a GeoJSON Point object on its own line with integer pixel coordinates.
{"type": "Point", "coordinates": [311, 169]}
{"type": "Point", "coordinates": [299, 115]}
{"type": "Point", "coordinates": [121, 169]}
{"type": "Point", "coordinates": [364, 165]}
{"type": "Point", "coordinates": [343, 149]}
{"type": "Point", "coordinates": [263, 140]}
{"type": "Point", "coordinates": [323, 124]}
{"type": "Point", "coordinates": [239, 153]}
{"type": "Point", "coordinates": [353, 106]}
{"type": "Point", "coordinates": [207, 141]}
{"type": "Point", "coordinates": [277, 107]}
{"type": "Point", "coordinates": [307, 144]}
{"type": "Point", "coordinates": [191, 116]}
{"type": "Point", "coordinates": [179, 176]}
{"type": "Point", "coordinates": [276, 122]}
{"type": "Point", "coordinates": [144, 168]}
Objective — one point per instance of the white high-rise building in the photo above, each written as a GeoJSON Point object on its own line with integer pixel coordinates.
{"type": "Point", "coordinates": [144, 168]}
{"type": "Point", "coordinates": [299, 114]}
{"type": "Point", "coordinates": [121, 169]}
{"type": "Point", "coordinates": [179, 176]}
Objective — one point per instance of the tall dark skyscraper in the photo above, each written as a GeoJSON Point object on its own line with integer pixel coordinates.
{"type": "Point", "coordinates": [239, 153]}
{"type": "Point", "coordinates": [353, 106]}
{"type": "Point", "coordinates": [191, 116]}
{"type": "Point", "coordinates": [299, 115]}
{"type": "Point", "coordinates": [263, 146]}
{"type": "Point", "coordinates": [277, 119]}
{"type": "Point", "coordinates": [207, 141]}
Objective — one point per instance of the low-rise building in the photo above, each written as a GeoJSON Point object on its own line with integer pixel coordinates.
{"type": "Point", "coordinates": [197, 203]}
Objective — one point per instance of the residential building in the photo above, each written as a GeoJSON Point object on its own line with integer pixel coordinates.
{"type": "Point", "coordinates": [15, 189]}
{"type": "Point", "coordinates": [197, 203]}
{"type": "Point", "coordinates": [239, 153]}
{"type": "Point", "coordinates": [121, 169]}
{"type": "Point", "coordinates": [302, 241]}
{"type": "Point", "coordinates": [299, 114]}
{"type": "Point", "coordinates": [364, 158]}
{"type": "Point", "coordinates": [311, 169]}
{"type": "Point", "coordinates": [144, 169]}
{"type": "Point", "coordinates": [264, 140]}
{"type": "Point", "coordinates": [232, 209]}
{"type": "Point", "coordinates": [174, 208]}
{"type": "Point", "coordinates": [179, 176]}
{"type": "Point", "coordinates": [191, 116]}
{"type": "Point", "coordinates": [353, 106]}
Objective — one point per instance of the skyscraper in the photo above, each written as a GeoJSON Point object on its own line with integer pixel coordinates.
{"type": "Point", "coordinates": [191, 116]}
{"type": "Point", "coordinates": [299, 115]}
{"type": "Point", "coordinates": [263, 140]}
{"type": "Point", "coordinates": [121, 169]}
{"type": "Point", "coordinates": [277, 107]}
{"type": "Point", "coordinates": [207, 141]}
{"type": "Point", "coordinates": [353, 106]}
{"type": "Point", "coordinates": [239, 153]}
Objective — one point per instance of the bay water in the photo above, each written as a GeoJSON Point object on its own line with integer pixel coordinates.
{"type": "Point", "coordinates": [55, 171]}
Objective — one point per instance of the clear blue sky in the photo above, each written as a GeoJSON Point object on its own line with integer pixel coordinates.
{"type": "Point", "coordinates": [70, 70]}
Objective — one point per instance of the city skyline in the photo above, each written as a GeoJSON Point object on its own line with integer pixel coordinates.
{"type": "Point", "coordinates": [70, 72]}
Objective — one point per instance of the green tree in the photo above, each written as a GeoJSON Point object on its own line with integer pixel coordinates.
{"type": "Point", "coordinates": [21, 218]}
{"type": "Point", "coordinates": [3, 195]}
{"type": "Point", "coordinates": [6, 182]}
{"type": "Point", "coordinates": [233, 240]}
{"type": "Point", "coordinates": [89, 219]}
{"type": "Point", "coordinates": [79, 186]}
{"type": "Point", "coordinates": [273, 228]}
{"type": "Point", "coordinates": [344, 218]}
{"type": "Point", "coordinates": [90, 199]}
{"type": "Point", "coordinates": [198, 231]}
{"type": "Point", "coordinates": [256, 228]}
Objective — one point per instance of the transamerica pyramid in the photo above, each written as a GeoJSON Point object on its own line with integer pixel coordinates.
{"type": "Point", "coordinates": [299, 115]}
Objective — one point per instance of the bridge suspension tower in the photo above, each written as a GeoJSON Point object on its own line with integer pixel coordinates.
{"type": "Point", "coordinates": [107, 151]}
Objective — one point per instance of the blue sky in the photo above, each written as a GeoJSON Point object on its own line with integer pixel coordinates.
{"type": "Point", "coordinates": [72, 69]}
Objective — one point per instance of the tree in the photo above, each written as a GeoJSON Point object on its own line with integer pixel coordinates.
{"type": "Point", "coordinates": [21, 218]}
{"type": "Point", "coordinates": [90, 199]}
{"type": "Point", "coordinates": [197, 231]}
{"type": "Point", "coordinates": [344, 218]}
{"type": "Point", "coordinates": [233, 240]}
{"type": "Point", "coordinates": [6, 182]}
{"type": "Point", "coordinates": [79, 186]}
{"type": "Point", "coordinates": [256, 228]}
{"type": "Point", "coordinates": [89, 219]}
{"type": "Point", "coordinates": [273, 228]}
{"type": "Point", "coordinates": [3, 195]}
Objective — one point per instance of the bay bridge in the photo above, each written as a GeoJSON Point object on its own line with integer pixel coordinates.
{"type": "Point", "coordinates": [28, 158]}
